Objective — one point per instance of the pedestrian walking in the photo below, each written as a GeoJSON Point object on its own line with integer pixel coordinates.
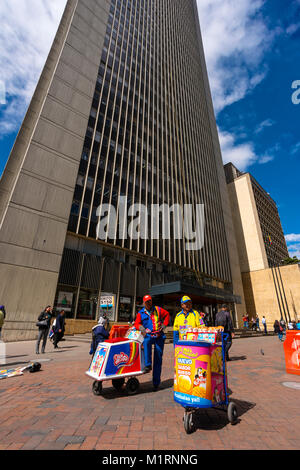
{"type": "Point", "coordinates": [152, 322]}
{"type": "Point", "coordinates": [292, 325]}
{"type": "Point", "coordinates": [253, 325]}
{"type": "Point", "coordinates": [283, 325]}
{"type": "Point", "coordinates": [278, 330]}
{"type": "Point", "coordinates": [43, 325]}
{"type": "Point", "coordinates": [264, 322]}
{"type": "Point", "coordinates": [246, 322]}
{"type": "Point", "coordinates": [257, 323]}
{"type": "Point", "coordinates": [59, 329]}
{"type": "Point", "coordinates": [2, 318]}
{"type": "Point", "coordinates": [100, 334]}
{"type": "Point", "coordinates": [224, 319]}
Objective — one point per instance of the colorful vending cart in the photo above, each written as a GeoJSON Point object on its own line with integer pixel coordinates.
{"type": "Point", "coordinates": [118, 359]}
{"type": "Point", "coordinates": [200, 379]}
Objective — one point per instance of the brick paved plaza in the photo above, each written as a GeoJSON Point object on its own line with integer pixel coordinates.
{"type": "Point", "coordinates": [55, 408]}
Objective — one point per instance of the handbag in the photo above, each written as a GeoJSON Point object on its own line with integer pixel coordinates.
{"type": "Point", "coordinates": [42, 324]}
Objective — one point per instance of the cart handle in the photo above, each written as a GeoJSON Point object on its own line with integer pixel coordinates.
{"type": "Point", "coordinates": [225, 337]}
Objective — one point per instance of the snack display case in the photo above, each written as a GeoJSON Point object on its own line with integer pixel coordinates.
{"type": "Point", "coordinates": [200, 373]}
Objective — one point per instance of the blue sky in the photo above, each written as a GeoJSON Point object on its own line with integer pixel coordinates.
{"type": "Point", "coordinates": [252, 52]}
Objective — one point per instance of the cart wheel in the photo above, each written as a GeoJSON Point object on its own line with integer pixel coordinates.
{"type": "Point", "coordinates": [232, 413]}
{"type": "Point", "coordinates": [188, 423]}
{"type": "Point", "coordinates": [118, 384]}
{"type": "Point", "coordinates": [97, 388]}
{"type": "Point", "coordinates": [132, 386]}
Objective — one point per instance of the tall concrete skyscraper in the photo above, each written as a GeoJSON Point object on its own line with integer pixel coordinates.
{"type": "Point", "coordinates": [122, 115]}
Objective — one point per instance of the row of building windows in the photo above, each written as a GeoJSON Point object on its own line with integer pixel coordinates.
{"type": "Point", "coordinates": [149, 136]}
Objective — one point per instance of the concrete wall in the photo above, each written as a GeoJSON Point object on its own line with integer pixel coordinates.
{"type": "Point", "coordinates": [266, 294]}
{"type": "Point", "coordinates": [250, 243]}
{"type": "Point", "coordinates": [37, 187]}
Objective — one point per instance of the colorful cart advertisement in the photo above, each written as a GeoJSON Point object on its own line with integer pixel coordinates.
{"type": "Point", "coordinates": [98, 361]}
{"type": "Point", "coordinates": [199, 379]}
{"type": "Point", "coordinates": [116, 360]}
{"type": "Point", "coordinates": [123, 359]}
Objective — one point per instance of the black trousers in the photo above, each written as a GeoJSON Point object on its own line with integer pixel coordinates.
{"type": "Point", "coordinates": [228, 346]}
{"type": "Point", "coordinates": [57, 338]}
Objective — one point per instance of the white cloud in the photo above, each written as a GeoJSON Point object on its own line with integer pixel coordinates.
{"type": "Point", "coordinates": [293, 242]}
{"type": "Point", "coordinates": [241, 155]}
{"type": "Point", "coordinates": [263, 125]}
{"type": "Point", "coordinates": [293, 237]}
{"type": "Point", "coordinates": [293, 28]}
{"type": "Point", "coordinates": [295, 149]}
{"type": "Point", "coordinates": [266, 159]}
{"type": "Point", "coordinates": [27, 31]}
{"type": "Point", "coordinates": [235, 40]}
{"type": "Point", "coordinates": [294, 250]}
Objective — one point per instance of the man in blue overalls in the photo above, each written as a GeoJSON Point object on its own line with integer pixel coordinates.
{"type": "Point", "coordinates": [152, 322]}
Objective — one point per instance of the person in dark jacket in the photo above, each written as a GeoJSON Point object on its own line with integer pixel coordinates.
{"type": "Point", "coordinates": [45, 317]}
{"type": "Point", "coordinates": [100, 334]}
{"type": "Point", "coordinates": [59, 329]}
{"type": "Point", "coordinates": [224, 319]}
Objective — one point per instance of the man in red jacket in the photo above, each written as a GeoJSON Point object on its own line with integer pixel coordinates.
{"type": "Point", "coordinates": [152, 322]}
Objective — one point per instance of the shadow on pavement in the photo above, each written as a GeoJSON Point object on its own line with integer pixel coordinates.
{"type": "Point", "coordinates": [16, 357]}
{"type": "Point", "coordinates": [12, 364]}
{"type": "Point", "coordinates": [216, 418]}
{"type": "Point", "coordinates": [61, 349]}
{"type": "Point", "coordinates": [110, 393]}
{"type": "Point", "coordinates": [238, 358]}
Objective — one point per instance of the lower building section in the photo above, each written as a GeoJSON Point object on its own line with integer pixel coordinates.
{"type": "Point", "coordinates": [95, 278]}
{"type": "Point", "coordinates": [273, 293]}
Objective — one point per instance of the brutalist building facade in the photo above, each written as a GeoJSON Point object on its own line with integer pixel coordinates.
{"type": "Point", "coordinates": [122, 110]}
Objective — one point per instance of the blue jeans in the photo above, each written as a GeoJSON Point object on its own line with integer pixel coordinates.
{"type": "Point", "coordinates": [280, 335]}
{"type": "Point", "coordinates": [158, 344]}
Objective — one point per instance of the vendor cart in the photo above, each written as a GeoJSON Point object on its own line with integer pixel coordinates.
{"type": "Point", "coordinates": [118, 360]}
{"type": "Point", "coordinates": [200, 380]}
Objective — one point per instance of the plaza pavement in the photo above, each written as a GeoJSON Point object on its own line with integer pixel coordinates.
{"type": "Point", "coordinates": [55, 409]}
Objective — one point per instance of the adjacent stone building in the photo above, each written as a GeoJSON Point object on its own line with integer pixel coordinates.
{"type": "Point", "coordinates": [271, 289]}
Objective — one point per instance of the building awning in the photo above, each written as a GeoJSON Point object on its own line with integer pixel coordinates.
{"type": "Point", "coordinates": [207, 292]}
